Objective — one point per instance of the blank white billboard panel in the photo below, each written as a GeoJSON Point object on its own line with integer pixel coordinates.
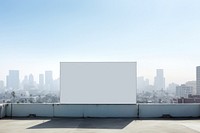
{"type": "Point", "coordinates": [98, 82]}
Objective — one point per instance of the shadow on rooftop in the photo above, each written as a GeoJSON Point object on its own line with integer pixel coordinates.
{"type": "Point", "coordinates": [92, 123]}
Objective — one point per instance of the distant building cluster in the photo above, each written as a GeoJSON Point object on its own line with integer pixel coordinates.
{"type": "Point", "coordinates": [13, 81]}
{"type": "Point", "coordinates": [188, 92]}
{"type": "Point", "coordinates": [159, 82]}
{"type": "Point", "coordinates": [46, 90]}
{"type": "Point", "coordinates": [28, 90]}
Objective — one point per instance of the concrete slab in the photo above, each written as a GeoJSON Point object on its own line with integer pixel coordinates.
{"type": "Point", "coordinates": [192, 125]}
{"type": "Point", "coordinates": [97, 125]}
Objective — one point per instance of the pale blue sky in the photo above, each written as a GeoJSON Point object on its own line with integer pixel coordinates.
{"type": "Point", "coordinates": [35, 35]}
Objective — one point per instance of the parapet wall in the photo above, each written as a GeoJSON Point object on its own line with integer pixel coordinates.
{"type": "Point", "coordinates": [92, 110]}
{"type": "Point", "coordinates": [173, 110]}
{"type": "Point", "coordinates": [66, 110]}
{"type": "Point", "coordinates": [2, 110]}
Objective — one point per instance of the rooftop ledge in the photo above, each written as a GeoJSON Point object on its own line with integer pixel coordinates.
{"type": "Point", "coordinates": [100, 110]}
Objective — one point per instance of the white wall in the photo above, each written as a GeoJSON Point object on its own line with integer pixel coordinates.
{"type": "Point", "coordinates": [98, 82]}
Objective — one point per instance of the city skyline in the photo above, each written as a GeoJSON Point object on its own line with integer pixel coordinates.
{"type": "Point", "coordinates": [56, 75]}
{"type": "Point", "coordinates": [41, 77]}
{"type": "Point", "coordinates": [36, 36]}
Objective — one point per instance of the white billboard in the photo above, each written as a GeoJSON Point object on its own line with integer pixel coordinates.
{"type": "Point", "coordinates": [98, 82]}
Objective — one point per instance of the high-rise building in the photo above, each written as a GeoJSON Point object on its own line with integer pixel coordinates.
{"type": "Point", "coordinates": [1, 84]}
{"type": "Point", "coordinates": [7, 82]}
{"type": "Point", "coordinates": [198, 80]}
{"type": "Point", "coordinates": [172, 88]}
{"type": "Point", "coordinates": [41, 80]}
{"type": "Point", "coordinates": [184, 91]}
{"type": "Point", "coordinates": [142, 84]}
{"type": "Point", "coordinates": [31, 79]}
{"type": "Point", "coordinates": [49, 79]}
{"type": "Point", "coordinates": [159, 80]}
{"type": "Point", "coordinates": [25, 82]}
{"type": "Point", "coordinates": [13, 79]}
{"type": "Point", "coordinates": [193, 85]}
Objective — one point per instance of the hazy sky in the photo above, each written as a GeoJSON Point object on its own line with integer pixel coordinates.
{"type": "Point", "coordinates": [35, 35]}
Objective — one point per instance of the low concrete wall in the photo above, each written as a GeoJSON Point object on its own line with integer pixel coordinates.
{"type": "Point", "coordinates": [2, 110]}
{"type": "Point", "coordinates": [25, 110]}
{"type": "Point", "coordinates": [66, 110]}
{"type": "Point", "coordinates": [174, 110]}
{"type": "Point", "coordinates": [139, 110]}
{"type": "Point", "coordinates": [62, 110]}
{"type": "Point", "coordinates": [110, 111]}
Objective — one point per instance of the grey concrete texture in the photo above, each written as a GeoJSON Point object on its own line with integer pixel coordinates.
{"type": "Point", "coordinates": [2, 110]}
{"type": "Point", "coordinates": [137, 110]}
{"type": "Point", "coordinates": [99, 125]}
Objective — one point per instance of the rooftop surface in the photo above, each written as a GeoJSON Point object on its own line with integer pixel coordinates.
{"type": "Point", "coordinates": [99, 125]}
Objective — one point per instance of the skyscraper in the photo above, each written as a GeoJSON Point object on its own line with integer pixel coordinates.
{"type": "Point", "coordinates": [193, 85]}
{"type": "Point", "coordinates": [41, 80]}
{"type": "Point", "coordinates": [13, 79]}
{"type": "Point", "coordinates": [25, 82]}
{"type": "Point", "coordinates": [184, 91]}
{"type": "Point", "coordinates": [49, 79]}
{"type": "Point", "coordinates": [31, 79]}
{"type": "Point", "coordinates": [198, 80]}
{"type": "Point", "coordinates": [159, 80]}
{"type": "Point", "coordinates": [1, 84]}
{"type": "Point", "coordinates": [142, 84]}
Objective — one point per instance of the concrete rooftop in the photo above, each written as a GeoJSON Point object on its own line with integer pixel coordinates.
{"type": "Point", "coordinates": [99, 125]}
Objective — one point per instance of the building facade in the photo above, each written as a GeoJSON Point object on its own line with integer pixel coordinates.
{"type": "Point", "coordinates": [159, 80]}
{"type": "Point", "coordinates": [13, 79]}
{"type": "Point", "coordinates": [49, 79]}
{"type": "Point", "coordinates": [198, 80]}
{"type": "Point", "coordinates": [41, 80]}
{"type": "Point", "coordinates": [184, 91]}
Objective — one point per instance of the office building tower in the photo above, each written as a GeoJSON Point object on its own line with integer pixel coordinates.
{"type": "Point", "coordinates": [41, 80]}
{"type": "Point", "coordinates": [142, 84]}
{"type": "Point", "coordinates": [193, 85]}
{"type": "Point", "coordinates": [198, 80]}
{"type": "Point", "coordinates": [184, 91]}
{"type": "Point", "coordinates": [49, 79]}
{"type": "Point", "coordinates": [25, 82]}
{"type": "Point", "coordinates": [172, 88]}
{"type": "Point", "coordinates": [13, 79]}
{"type": "Point", "coordinates": [7, 82]}
{"type": "Point", "coordinates": [31, 79]}
{"type": "Point", "coordinates": [159, 80]}
{"type": "Point", "coordinates": [1, 84]}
